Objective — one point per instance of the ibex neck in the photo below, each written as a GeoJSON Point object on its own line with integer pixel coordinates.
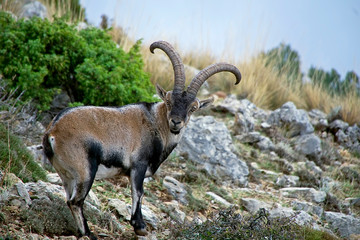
{"type": "Point", "coordinates": [163, 127]}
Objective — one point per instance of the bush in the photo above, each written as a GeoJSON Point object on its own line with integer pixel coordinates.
{"type": "Point", "coordinates": [15, 158]}
{"type": "Point", "coordinates": [41, 58]}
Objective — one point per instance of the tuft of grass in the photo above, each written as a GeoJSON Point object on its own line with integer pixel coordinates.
{"type": "Point", "coordinates": [199, 59]}
{"type": "Point", "coordinates": [316, 97]}
{"type": "Point", "coordinates": [261, 84]}
{"type": "Point", "coordinates": [15, 158]}
{"type": "Point", "coordinates": [350, 111]}
{"type": "Point", "coordinates": [60, 8]}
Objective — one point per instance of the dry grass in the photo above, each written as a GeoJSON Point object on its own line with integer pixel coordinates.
{"type": "Point", "coordinates": [315, 97]}
{"type": "Point", "coordinates": [350, 110]}
{"type": "Point", "coordinates": [59, 8]}
{"type": "Point", "coordinates": [55, 8]}
{"type": "Point", "coordinates": [261, 84]}
{"type": "Point", "coordinates": [119, 36]}
{"type": "Point", "coordinates": [13, 6]}
{"type": "Point", "coordinates": [199, 59]}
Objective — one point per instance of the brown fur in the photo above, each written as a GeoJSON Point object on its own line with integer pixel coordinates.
{"type": "Point", "coordinates": [87, 142]}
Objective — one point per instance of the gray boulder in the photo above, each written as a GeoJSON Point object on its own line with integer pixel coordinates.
{"type": "Point", "coordinates": [307, 207]}
{"type": "Point", "coordinates": [46, 210]}
{"type": "Point", "coordinates": [208, 143]}
{"type": "Point", "coordinates": [300, 217]}
{"type": "Point", "coordinates": [176, 213]}
{"type": "Point", "coordinates": [287, 181]}
{"type": "Point", "coordinates": [233, 105]}
{"type": "Point", "coordinates": [176, 189]}
{"type": "Point", "coordinates": [252, 137]}
{"type": "Point", "coordinates": [349, 138]}
{"type": "Point", "coordinates": [309, 194]}
{"type": "Point", "coordinates": [318, 119]}
{"type": "Point", "coordinates": [338, 125]}
{"type": "Point", "coordinates": [219, 199]}
{"type": "Point", "coordinates": [309, 145]}
{"type": "Point", "coordinates": [345, 225]}
{"type": "Point", "coordinates": [296, 121]}
{"type": "Point", "coordinates": [243, 123]}
{"type": "Point", "coordinates": [124, 210]}
{"type": "Point", "coordinates": [253, 205]}
{"type": "Point", "coordinates": [259, 141]}
{"type": "Point", "coordinates": [121, 208]}
{"type": "Point", "coordinates": [33, 9]}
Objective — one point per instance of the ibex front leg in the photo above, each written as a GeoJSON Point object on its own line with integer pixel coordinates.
{"type": "Point", "coordinates": [137, 176]}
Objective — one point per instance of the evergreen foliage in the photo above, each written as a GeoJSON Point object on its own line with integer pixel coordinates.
{"type": "Point", "coordinates": [41, 58]}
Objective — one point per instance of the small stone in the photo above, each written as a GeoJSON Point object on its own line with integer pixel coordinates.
{"type": "Point", "coordinates": [253, 205]}
{"type": "Point", "coordinates": [306, 193]}
{"type": "Point", "coordinates": [54, 178]}
{"type": "Point", "coordinates": [23, 193]}
{"type": "Point", "coordinates": [286, 181]}
{"type": "Point", "coordinates": [219, 199]}
{"type": "Point", "coordinates": [16, 203]}
{"type": "Point", "coordinates": [121, 207]}
{"type": "Point", "coordinates": [176, 189]}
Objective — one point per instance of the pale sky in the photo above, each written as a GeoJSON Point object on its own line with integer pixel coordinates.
{"type": "Point", "coordinates": [325, 33]}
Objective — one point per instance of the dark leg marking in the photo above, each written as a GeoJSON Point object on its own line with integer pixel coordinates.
{"type": "Point", "coordinates": [137, 176]}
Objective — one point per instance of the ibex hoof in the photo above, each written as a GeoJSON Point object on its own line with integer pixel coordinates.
{"type": "Point", "coordinates": [141, 232]}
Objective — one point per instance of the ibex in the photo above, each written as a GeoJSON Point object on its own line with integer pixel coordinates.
{"type": "Point", "coordinates": [84, 143]}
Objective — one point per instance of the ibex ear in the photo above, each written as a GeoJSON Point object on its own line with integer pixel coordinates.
{"type": "Point", "coordinates": [161, 92]}
{"type": "Point", "coordinates": [206, 102]}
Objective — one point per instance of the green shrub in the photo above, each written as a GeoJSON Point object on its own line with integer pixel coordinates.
{"type": "Point", "coordinates": [41, 58]}
{"type": "Point", "coordinates": [15, 158]}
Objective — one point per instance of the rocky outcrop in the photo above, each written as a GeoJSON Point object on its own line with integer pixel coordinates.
{"type": "Point", "coordinates": [294, 121]}
{"type": "Point", "coordinates": [44, 208]}
{"type": "Point", "coordinates": [344, 224]}
{"type": "Point", "coordinates": [33, 9]}
{"type": "Point", "coordinates": [208, 143]}
{"type": "Point", "coordinates": [280, 159]}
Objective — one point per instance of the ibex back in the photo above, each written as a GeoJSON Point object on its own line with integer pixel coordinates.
{"type": "Point", "coordinates": [84, 143]}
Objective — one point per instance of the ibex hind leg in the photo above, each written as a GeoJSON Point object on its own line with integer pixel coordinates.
{"type": "Point", "coordinates": [76, 203]}
{"type": "Point", "coordinates": [80, 180]}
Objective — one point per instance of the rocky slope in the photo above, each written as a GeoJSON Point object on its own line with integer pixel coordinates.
{"type": "Point", "coordinates": [296, 164]}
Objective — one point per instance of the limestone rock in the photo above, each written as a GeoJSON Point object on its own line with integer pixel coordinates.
{"type": "Point", "coordinates": [286, 181]}
{"type": "Point", "coordinates": [294, 120]}
{"type": "Point", "coordinates": [345, 225]}
{"type": "Point", "coordinates": [219, 199]}
{"type": "Point", "coordinates": [208, 143]}
{"type": "Point", "coordinates": [253, 205]}
{"type": "Point", "coordinates": [176, 189]}
{"type": "Point", "coordinates": [309, 194]}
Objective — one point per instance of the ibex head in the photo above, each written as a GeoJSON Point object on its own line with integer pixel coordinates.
{"type": "Point", "coordinates": [182, 103]}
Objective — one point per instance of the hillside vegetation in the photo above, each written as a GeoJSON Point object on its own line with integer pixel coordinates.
{"type": "Point", "coordinates": [299, 170]}
{"type": "Point", "coordinates": [269, 79]}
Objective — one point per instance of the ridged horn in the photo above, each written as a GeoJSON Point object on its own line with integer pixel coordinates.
{"type": "Point", "coordinates": [207, 72]}
{"type": "Point", "coordinates": [178, 66]}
